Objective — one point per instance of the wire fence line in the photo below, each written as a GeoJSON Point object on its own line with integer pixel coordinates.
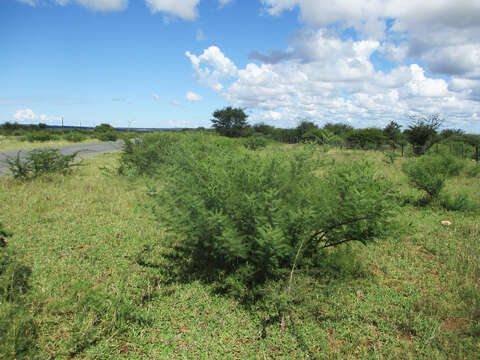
{"type": "Point", "coordinates": [460, 149]}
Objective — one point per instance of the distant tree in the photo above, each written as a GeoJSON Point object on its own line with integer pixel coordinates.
{"type": "Point", "coordinates": [472, 139]}
{"type": "Point", "coordinates": [339, 129]}
{"type": "Point", "coordinates": [105, 132]}
{"type": "Point", "coordinates": [42, 126]}
{"type": "Point", "coordinates": [422, 132]}
{"type": "Point", "coordinates": [304, 127]}
{"type": "Point", "coordinates": [8, 126]}
{"type": "Point", "coordinates": [366, 137]}
{"type": "Point", "coordinates": [104, 128]}
{"type": "Point", "coordinates": [264, 129]}
{"type": "Point", "coordinates": [231, 122]}
{"type": "Point", "coordinates": [392, 132]}
{"type": "Point", "coordinates": [318, 136]}
{"type": "Point", "coordinates": [452, 134]}
{"type": "Point", "coordinates": [286, 135]}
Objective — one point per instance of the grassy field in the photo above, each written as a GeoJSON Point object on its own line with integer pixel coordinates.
{"type": "Point", "coordinates": [99, 289]}
{"type": "Point", "coordinates": [12, 143]}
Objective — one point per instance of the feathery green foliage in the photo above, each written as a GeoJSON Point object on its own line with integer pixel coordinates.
{"type": "Point", "coordinates": [429, 172]}
{"type": "Point", "coordinates": [255, 142]}
{"type": "Point", "coordinates": [75, 136]}
{"type": "Point", "coordinates": [40, 161]}
{"type": "Point", "coordinates": [231, 122]}
{"type": "Point", "coordinates": [243, 217]}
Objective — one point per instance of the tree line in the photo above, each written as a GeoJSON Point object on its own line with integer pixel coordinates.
{"type": "Point", "coordinates": [422, 132]}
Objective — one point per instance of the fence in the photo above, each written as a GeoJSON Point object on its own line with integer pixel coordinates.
{"type": "Point", "coordinates": [459, 149]}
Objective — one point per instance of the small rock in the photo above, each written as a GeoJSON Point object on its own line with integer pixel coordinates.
{"type": "Point", "coordinates": [446, 222]}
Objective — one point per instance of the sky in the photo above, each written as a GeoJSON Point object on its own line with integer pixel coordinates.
{"type": "Point", "coordinates": [172, 63]}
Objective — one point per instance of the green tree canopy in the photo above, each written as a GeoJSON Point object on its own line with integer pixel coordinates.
{"type": "Point", "coordinates": [103, 128]}
{"type": "Point", "coordinates": [339, 129]}
{"type": "Point", "coordinates": [366, 137]}
{"type": "Point", "coordinates": [422, 132]}
{"type": "Point", "coordinates": [304, 127]}
{"type": "Point", "coordinates": [231, 122]}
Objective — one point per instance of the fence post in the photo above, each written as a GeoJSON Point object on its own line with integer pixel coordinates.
{"type": "Point", "coordinates": [436, 148]}
{"type": "Point", "coordinates": [402, 149]}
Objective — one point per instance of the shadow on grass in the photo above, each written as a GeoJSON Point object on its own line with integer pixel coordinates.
{"type": "Point", "coordinates": [17, 327]}
{"type": "Point", "coordinates": [267, 300]}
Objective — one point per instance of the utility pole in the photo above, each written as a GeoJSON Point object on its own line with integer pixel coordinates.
{"type": "Point", "coordinates": [62, 122]}
{"type": "Point", "coordinates": [130, 124]}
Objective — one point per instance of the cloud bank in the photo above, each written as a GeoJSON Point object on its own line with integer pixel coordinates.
{"type": "Point", "coordinates": [404, 57]}
{"type": "Point", "coordinates": [27, 115]}
{"type": "Point", "coordinates": [324, 78]}
{"type": "Point", "coordinates": [183, 9]}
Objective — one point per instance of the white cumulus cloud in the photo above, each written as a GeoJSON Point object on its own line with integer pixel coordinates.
{"type": "Point", "coordinates": [94, 5]}
{"type": "Point", "coordinates": [444, 34]}
{"type": "Point", "coordinates": [325, 78]}
{"type": "Point", "coordinates": [184, 9]}
{"type": "Point", "coordinates": [27, 115]}
{"type": "Point", "coordinates": [155, 96]}
{"type": "Point", "coordinates": [191, 96]}
{"type": "Point", "coordinates": [212, 66]}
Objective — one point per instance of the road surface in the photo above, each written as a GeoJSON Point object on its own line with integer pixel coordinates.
{"type": "Point", "coordinates": [85, 151]}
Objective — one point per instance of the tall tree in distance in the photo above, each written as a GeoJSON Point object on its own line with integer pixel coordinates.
{"type": "Point", "coordinates": [231, 122]}
{"type": "Point", "coordinates": [422, 132]}
{"type": "Point", "coordinates": [393, 133]}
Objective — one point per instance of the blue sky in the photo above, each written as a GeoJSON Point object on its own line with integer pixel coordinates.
{"type": "Point", "coordinates": [171, 63]}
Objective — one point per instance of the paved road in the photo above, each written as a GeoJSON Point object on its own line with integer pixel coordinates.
{"type": "Point", "coordinates": [85, 151]}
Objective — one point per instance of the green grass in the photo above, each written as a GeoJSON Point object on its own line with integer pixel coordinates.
{"type": "Point", "coordinates": [12, 143]}
{"type": "Point", "coordinates": [100, 289]}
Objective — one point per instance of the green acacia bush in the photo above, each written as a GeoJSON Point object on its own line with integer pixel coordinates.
{"type": "Point", "coordinates": [255, 143]}
{"type": "Point", "coordinates": [107, 136]}
{"type": "Point", "coordinates": [244, 217]}
{"type": "Point", "coordinates": [40, 136]}
{"type": "Point", "coordinates": [75, 136]}
{"type": "Point", "coordinates": [154, 153]}
{"type": "Point", "coordinates": [459, 202]}
{"type": "Point", "coordinates": [105, 132]}
{"type": "Point", "coordinates": [40, 161]}
{"type": "Point", "coordinates": [429, 172]}
{"type": "Point", "coordinates": [146, 155]}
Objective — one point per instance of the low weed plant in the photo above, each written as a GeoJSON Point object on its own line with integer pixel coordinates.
{"type": "Point", "coordinates": [40, 161]}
